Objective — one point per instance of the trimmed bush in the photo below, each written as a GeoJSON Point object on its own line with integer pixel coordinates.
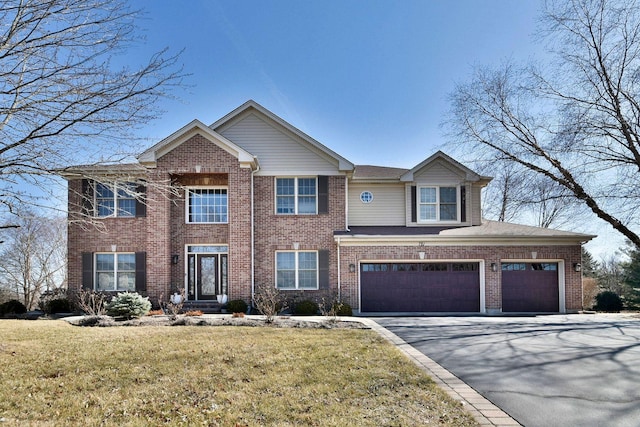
{"type": "Point", "coordinates": [12, 306]}
{"type": "Point", "coordinates": [128, 305]}
{"type": "Point", "coordinates": [306, 308]}
{"type": "Point", "coordinates": [237, 306]}
{"type": "Point", "coordinates": [608, 301]}
{"type": "Point", "coordinates": [342, 309]}
{"type": "Point", "coordinates": [57, 305]}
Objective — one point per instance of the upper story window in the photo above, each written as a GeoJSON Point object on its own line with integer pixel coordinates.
{"type": "Point", "coordinates": [116, 199]}
{"type": "Point", "coordinates": [207, 205]}
{"type": "Point", "coordinates": [438, 204]}
{"type": "Point", "coordinates": [296, 196]}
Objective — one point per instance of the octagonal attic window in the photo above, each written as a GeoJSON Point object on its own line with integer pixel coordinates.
{"type": "Point", "coordinates": [366, 197]}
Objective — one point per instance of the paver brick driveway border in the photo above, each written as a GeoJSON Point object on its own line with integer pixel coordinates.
{"type": "Point", "coordinates": [556, 370]}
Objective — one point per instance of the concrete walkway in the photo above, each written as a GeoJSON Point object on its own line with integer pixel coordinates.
{"type": "Point", "coordinates": [485, 412]}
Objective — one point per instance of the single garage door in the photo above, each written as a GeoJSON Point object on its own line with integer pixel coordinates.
{"type": "Point", "coordinates": [420, 287]}
{"type": "Point", "coordinates": [530, 287]}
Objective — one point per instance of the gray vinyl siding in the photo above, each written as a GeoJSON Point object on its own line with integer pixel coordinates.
{"type": "Point", "coordinates": [279, 151]}
{"type": "Point", "coordinates": [476, 208]}
{"type": "Point", "coordinates": [439, 173]}
{"type": "Point", "coordinates": [386, 208]}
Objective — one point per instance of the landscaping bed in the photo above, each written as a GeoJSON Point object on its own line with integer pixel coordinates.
{"type": "Point", "coordinates": [218, 320]}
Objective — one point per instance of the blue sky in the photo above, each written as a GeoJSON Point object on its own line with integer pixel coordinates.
{"type": "Point", "coordinates": [369, 79]}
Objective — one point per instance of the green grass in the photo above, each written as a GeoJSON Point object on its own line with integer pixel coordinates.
{"type": "Point", "coordinates": [57, 374]}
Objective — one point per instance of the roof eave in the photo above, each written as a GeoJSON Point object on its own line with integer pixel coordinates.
{"type": "Point", "coordinates": [439, 240]}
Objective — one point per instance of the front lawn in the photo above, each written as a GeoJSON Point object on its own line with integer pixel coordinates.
{"type": "Point", "coordinates": [55, 373]}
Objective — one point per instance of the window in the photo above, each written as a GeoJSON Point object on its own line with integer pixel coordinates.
{"type": "Point", "coordinates": [519, 266]}
{"type": "Point", "coordinates": [438, 204]}
{"type": "Point", "coordinates": [207, 205]}
{"type": "Point", "coordinates": [296, 196]}
{"type": "Point", "coordinates": [115, 272]}
{"type": "Point", "coordinates": [366, 197]}
{"type": "Point", "coordinates": [544, 266]}
{"type": "Point", "coordinates": [434, 267]}
{"type": "Point", "coordinates": [374, 267]}
{"type": "Point", "coordinates": [118, 199]}
{"type": "Point", "coordinates": [464, 266]}
{"type": "Point", "coordinates": [297, 270]}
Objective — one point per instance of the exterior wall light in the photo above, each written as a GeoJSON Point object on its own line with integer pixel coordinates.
{"type": "Point", "coordinates": [421, 255]}
{"type": "Point", "coordinates": [175, 259]}
{"type": "Point", "coordinates": [296, 246]}
{"type": "Point", "coordinates": [577, 267]}
{"type": "Point", "coordinates": [494, 266]}
{"type": "Point", "coordinates": [352, 268]}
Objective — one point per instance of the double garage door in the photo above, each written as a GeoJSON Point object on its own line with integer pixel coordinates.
{"type": "Point", "coordinates": [455, 287]}
{"type": "Point", "coordinates": [420, 287]}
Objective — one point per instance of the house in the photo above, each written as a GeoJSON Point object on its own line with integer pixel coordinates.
{"type": "Point", "coordinates": [251, 201]}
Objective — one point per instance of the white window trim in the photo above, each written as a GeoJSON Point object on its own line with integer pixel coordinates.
{"type": "Point", "coordinates": [297, 270]}
{"type": "Point", "coordinates": [203, 187]}
{"type": "Point", "coordinates": [114, 187]}
{"type": "Point", "coordinates": [115, 271]}
{"type": "Point", "coordinates": [437, 203]}
{"type": "Point", "coordinates": [295, 194]}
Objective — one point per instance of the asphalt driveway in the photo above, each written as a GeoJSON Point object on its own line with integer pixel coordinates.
{"type": "Point", "coordinates": [559, 370]}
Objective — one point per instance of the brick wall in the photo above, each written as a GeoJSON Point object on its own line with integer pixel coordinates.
{"type": "Point", "coordinates": [198, 151]}
{"type": "Point", "coordinates": [311, 232]}
{"type": "Point", "coordinates": [98, 235]}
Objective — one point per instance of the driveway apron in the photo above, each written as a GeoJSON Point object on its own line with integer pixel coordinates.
{"type": "Point", "coordinates": [558, 370]}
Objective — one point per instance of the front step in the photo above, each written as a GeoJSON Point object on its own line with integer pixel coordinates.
{"type": "Point", "coordinates": [208, 307]}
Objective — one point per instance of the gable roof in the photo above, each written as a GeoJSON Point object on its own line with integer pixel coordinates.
{"type": "Point", "coordinates": [151, 155]}
{"type": "Point", "coordinates": [378, 173]}
{"type": "Point", "coordinates": [343, 164]}
{"type": "Point", "coordinates": [439, 155]}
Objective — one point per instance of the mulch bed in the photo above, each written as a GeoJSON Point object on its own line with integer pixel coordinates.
{"type": "Point", "coordinates": [181, 320]}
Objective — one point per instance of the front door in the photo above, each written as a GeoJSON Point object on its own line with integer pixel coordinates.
{"type": "Point", "coordinates": [207, 276]}
{"type": "Point", "coordinates": [207, 282]}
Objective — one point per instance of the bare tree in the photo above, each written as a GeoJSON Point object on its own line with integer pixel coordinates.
{"type": "Point", "coordinates": [575, 122]}
{"type": "Point", "coordinates": [63, 99]}
{"type": "Point", "coordinates": [33, 258]}
{"type": "Point", "coordinates": [500, 201]}
{"type": "Point", "coordinates": [515, 196]}
{"type": "Point", "coordinates": [610, 274]}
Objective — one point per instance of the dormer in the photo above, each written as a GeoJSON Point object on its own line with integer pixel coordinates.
{"type": "Point", "coordinates": [443, 192]}
{"type": "Point", "coordinates": [438, 192]}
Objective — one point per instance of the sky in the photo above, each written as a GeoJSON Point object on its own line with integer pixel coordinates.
{"type": "Point", "coordinates": [369, 79]}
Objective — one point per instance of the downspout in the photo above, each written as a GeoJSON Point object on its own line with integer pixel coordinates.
{"type": "Point", "coordinates": [346, 202]}
{"type": "Point", "coordinates": [346, 226]}
{"type": "Point", "coordinates": [253, 238]}
{"type": "Point", "coordinates": [339, 276]}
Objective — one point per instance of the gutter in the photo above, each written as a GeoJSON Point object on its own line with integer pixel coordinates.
{"type": "Point", "coordinates": [339, 272]}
